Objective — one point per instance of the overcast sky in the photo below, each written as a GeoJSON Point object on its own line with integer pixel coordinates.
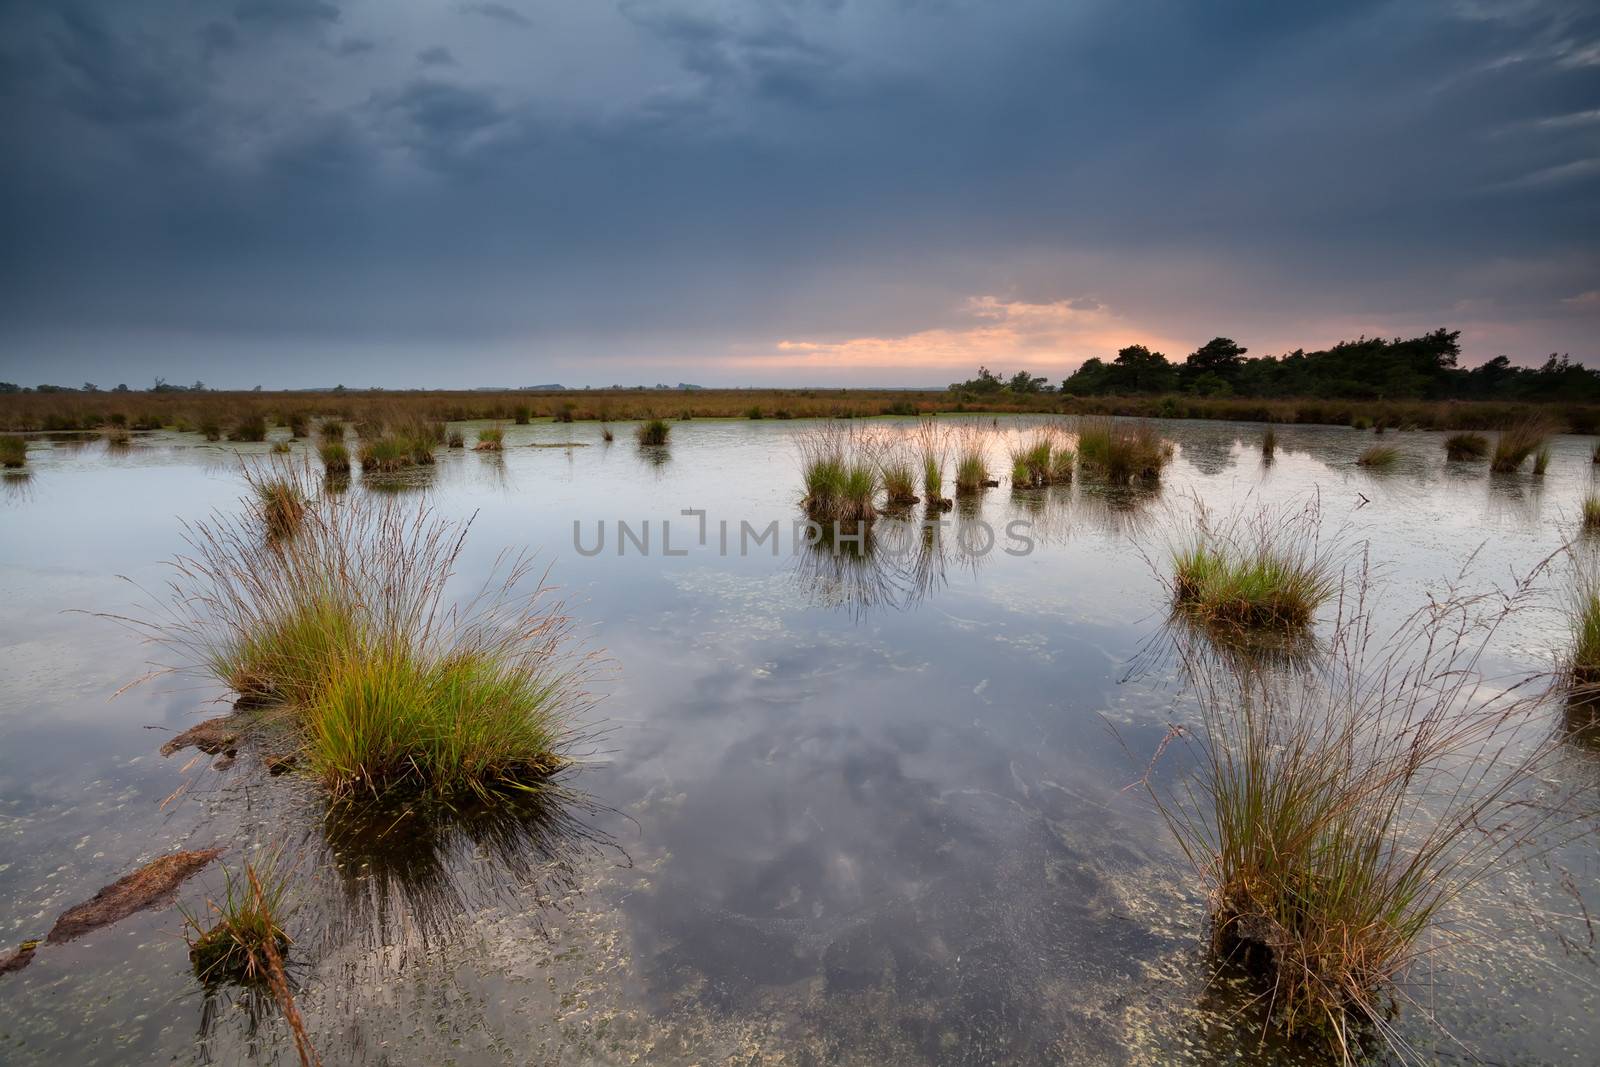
{"type": "Point", "coordinates": [305, 192]}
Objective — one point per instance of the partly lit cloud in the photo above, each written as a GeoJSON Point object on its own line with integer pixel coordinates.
{"type": "Point", "coordinates": [1003, 334]}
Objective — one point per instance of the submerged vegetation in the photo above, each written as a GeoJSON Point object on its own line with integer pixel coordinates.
{"type": "Point", "coordinates": [1331, 848]}
{"type": "Point", "coordinates": [344, 628]}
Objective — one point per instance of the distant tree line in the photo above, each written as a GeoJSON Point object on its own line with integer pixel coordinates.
{"type": "Point", "coordinates": [1417, 368]}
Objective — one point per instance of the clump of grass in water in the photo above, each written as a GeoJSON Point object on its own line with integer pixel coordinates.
{"type": "Point", "coordinates": [1122, 452]}
{"type": "Point", "coordinates": [1335, 817]}
{"type": "Point", "coordinates": [456, 440]}
{"type": "Point", "coordinates": [248, 428]}
{"type": "Point", "coordinates": [1269, 444]}
{"type": "Point", "coordinates": [1594, 456]}
{"type": "Point", "coordinates": [1591, 513]}
{"type": "Point", "coordinates": [1463, 446]}
{"type": "Point", "coordinates": [1516, 444]}
{"type": "Point", "coordinates": [331, 430]}
{"type": "Point", "coordinates": [898, 474]}
{"type": "Point", "coordinates": [247, 942]}
{"type": "Point", "coordinates": [229, 942]}
{"type": "Point", "coordinates": [490, 439]}
{"type": "Point", "coordinates": [281, 503]}
{"type": "Point", "coordinates": [1541, 461]}
{"type": "Point", "coordinates": [654, 433]}
{"type": "Point", "coordinates": [335, 457]}
{"type": "Point", "coordinates": [606, 434]}
{"type": "Point", "coordinates": [13, 452]}
{"type": "Point", "coordinates": [117, 437]}
{"type": "Point", "coordinates": [280, 448]}
{"type": "Point", "coordinates": [1583, 661]}
{"type": "Point", "coordinates": [1271, 571]}
{"type": "Point", "coordinates": [839, 475]}
{"type": "Point", "coordinates": [1041, 462]}
{"type": "Point", "coordinates": [972, 467]}
{"type": "Point", "coordinates": [1379, 457]}
{"type": "Point", "coordinates": [520, 414]}
{"type": "Point", "coordinates": [344, 627]}
{"type": "Point", "coordinates": [931, 451]}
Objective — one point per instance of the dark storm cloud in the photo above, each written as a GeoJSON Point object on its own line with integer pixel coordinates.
{"type": "Point", "coordinates": [285, 14]}
{"type": "Point", "coordinates": [499, 13]}
{"type": "Point", "coordinates": [671, 180]}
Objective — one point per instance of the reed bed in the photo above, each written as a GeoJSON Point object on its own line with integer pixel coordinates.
{"type": "Point", "coordinates": [653, 433]}
{"type": "Point", "coordinates": [345, 629]}
{"type": "Point", "coordinates": [1378, 457]}
{"type": "Point", "coordinates": [1268, 571]}
{"type": "Point", "coordinates": [1122, 452]}
{"type": "Point", "coordinates": [1336, 817]}
{"type": "Point", "coordinates": [13, 452]}
{"type": "Point", "coordinates": [87, 411]}
{"type": "Point", "coordinates": [839, 474]}
{"type": "Point", "coordinates": [1516, 443]}
{"type": "Point", "coordinates": [1466, 446]}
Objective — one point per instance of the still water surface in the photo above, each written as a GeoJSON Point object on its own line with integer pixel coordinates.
{"type": "Point", "coordinates": [832, 811]}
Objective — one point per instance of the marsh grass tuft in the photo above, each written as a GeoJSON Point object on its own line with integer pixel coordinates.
{"type": "Point", "coordinates": [972, 465]}
{"type": "Point", "coordinates": [249, 427]}
{"type": "Point", "coordinates": [1583, 594]}
{"type": "Point", "coordinates": [1378, 457]}
{"type": "Point", "coordinates": [229, 942]}
{"type": "Point", "coordinates": [1541, 461]}
{"type": "Point", "coordinates": [1269, 444]}
{"type": "Point", "coordinates": [13, 452]}
{"type": "Point", "coordinates": [282, 504]}
{"type": "Point", "coordinates": [899, 476]}
{"type": "Point", "coordinates": [1516, 443]}
{"type": "Point", "coordinates": [1041, 461]}
{"type": "Point", "coordinates": [839, 472]}
{"type": "Point", "coordinates": [1464, 446]}
{"type": "Point", "coordinates": [335, 457]}
{"type": "Point", "coordinates": [606, 435]}
{"type": "Point", "coordinates": [1591, 513]}
{"type": "Point", "coordinates": [1336, 816]}
{"type": "Point", "coordinates": [1270, 571]}
{"type": "Point", "coordinates": [931, 454]}
{"type": "Point", "coordinates": [456, 440]}
{"type": "Point", "coordinates": [653, 433]}
{"type": "Point", "coordinates": [490, 439]}
{"type": "Point", "coordinates": [344, 628]}
{"type": "Point", "coordinates": [1122, 452]}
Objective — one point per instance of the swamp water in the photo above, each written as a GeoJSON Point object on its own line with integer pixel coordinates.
{"type": "Point", "coordinates": [833, 810]}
